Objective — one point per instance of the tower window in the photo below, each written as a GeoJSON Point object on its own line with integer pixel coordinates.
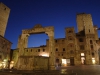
{"type": "Point", "coordinates": [63, 49]}
{"type": "Point", "coordinates": [4, 8]}
{"type": "Point", "coordinates": [70, 31]}
{"type": "Point", "coordinates": [80, 40]}
{"type": "Point", "coordinates": [56, 49]}
{"type": "Point", "coordinates": [56, 41]}
{"type": "Point", "coordinates": [91, 47]}
{"type": "Point", "coordinates": [92, 54]}
{"type": "Point", "coordinates": [31, 50]}
{"type": "Point", "coordinates": [62, 54]}
{"type": "Point", "coordinates": [89, 30]}
{"type": "Point", "coordinates": [91, 42]}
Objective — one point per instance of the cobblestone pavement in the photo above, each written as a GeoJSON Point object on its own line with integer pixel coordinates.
{"type": "Point", "coordinates": [69, 70]}
{"type": "Point", "coordinates": [84, 69]}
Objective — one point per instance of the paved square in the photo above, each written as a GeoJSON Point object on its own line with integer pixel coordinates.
{"type": "Point", "coordinates": [84, 69]}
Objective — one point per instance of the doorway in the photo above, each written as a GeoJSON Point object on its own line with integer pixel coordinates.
{"type": "Point", "coordinates": [71, 60]}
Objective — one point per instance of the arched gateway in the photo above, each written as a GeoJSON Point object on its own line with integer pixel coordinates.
{"type": "Point", "coordinates": [22, 43]}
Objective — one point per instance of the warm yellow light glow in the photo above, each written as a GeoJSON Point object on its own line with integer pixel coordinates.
{"type": "Point", "coordinates": [82, 54]}
{"type": "Point", "coordinates": [82, 60]}
{"type": "Point", "coordinates": [45, 55]}
{"type": "Point", "coordinates": [64, 63]}
{"type": "Point", "coordinates": [0, 64]}
{"type": "Point", "coordinates": [12, 62]}
{"type": "Point", "coordinates": [5, 60]}
{"type": "Point", "coordinates": [93, 60]}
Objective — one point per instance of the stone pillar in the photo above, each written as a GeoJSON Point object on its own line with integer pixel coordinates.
{"type": "Point", "coordinates": [22, 43]}
{"type": "Point", "coordinates": [51, 50]}
{"type": "Point", "coordinates": [23, 40]}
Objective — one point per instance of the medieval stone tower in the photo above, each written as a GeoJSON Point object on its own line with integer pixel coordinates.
{"type": "Point", "coordinates": [4, 15]}
{"type": "Point", "coordinates": [84, 22]}
{"type": "Point", "coordinates": [86, 28]}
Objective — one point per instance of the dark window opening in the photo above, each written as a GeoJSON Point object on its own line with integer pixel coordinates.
{"type": "Point", "coordinates": [57, 60]}
{"type": "Point", "coordinates": [0, 57]}
{"type": "Point", "coordinates": [62, 40]}
{"type": "Point", "coordinates": [62, 54]}
{"type": "Point", "coordinates": [91, 47]}
{"type": "Point", "coordinates": [43, 50]}
{"type": "Point", "coordinates": [80, 40]}
{"type": "Point", "coordinates": [38, 50]}
{"type": "Point", "coordinates": [92, 54]}
{"type": "Point", "coordinates": [70, 31]}
{"type": "Point", "coordinates": [63, 49]}
{"type": "Point", "coordinates": [56, 49]}
{"type": "Point", "coordinates": [58, 54]}
{"type": "Point", "coordinates": [89, 30]}
{"type": "Point", "coordinates": [4, 8]}
{"type": "Point", "coordinates": [91, 42]}
{"type": "Point", "coordinates": [56, 41]}
{"type": "Point", "coordinates": [31, 50]}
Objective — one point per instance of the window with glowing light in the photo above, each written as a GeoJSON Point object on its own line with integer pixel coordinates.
{"type": "Point", "coordinates": [82, 54]}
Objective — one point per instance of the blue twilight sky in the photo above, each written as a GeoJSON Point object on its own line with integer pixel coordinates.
{"type": "Point", "coordinates": [58, 13]}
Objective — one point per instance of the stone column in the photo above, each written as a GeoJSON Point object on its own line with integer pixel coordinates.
{"type": "Point", "coordinates": [22, 43]}
{"type": "Point", "coordinates": [51, 50]}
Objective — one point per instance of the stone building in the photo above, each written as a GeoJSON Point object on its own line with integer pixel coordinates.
{"type": "Point", "coordinates": [78, 48]}
{"type": "Point", "coordinates": [5, 45]}
{"type": "Point", "coordinates": [4, 15]}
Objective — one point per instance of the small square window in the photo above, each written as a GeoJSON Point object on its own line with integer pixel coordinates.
{"type": "Point", "coordinates": [38, 50]}
{"type": "Point", "coordinates": [56, 41]}
{"type": "Point", "coordinates": [31, 50]}
{"type": "Point", "coordinates": [63, 49]}
{"type": "Point", "coordinates": [43, 50]}
{"type": "Point", "coordinates": [56, 49]}
{"type": "Point", "coordinates": [62, 54]}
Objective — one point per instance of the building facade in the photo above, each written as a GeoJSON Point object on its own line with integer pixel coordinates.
{"type": "Point", "coordinates": [4, 15]}
{"type": "Point", "coordinates": [5, 45]}
{"type": "Point", "coordinates": [75, 49]}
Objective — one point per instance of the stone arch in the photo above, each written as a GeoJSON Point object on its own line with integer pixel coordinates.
{"type": "Point", "coordinates": [38, 29]}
